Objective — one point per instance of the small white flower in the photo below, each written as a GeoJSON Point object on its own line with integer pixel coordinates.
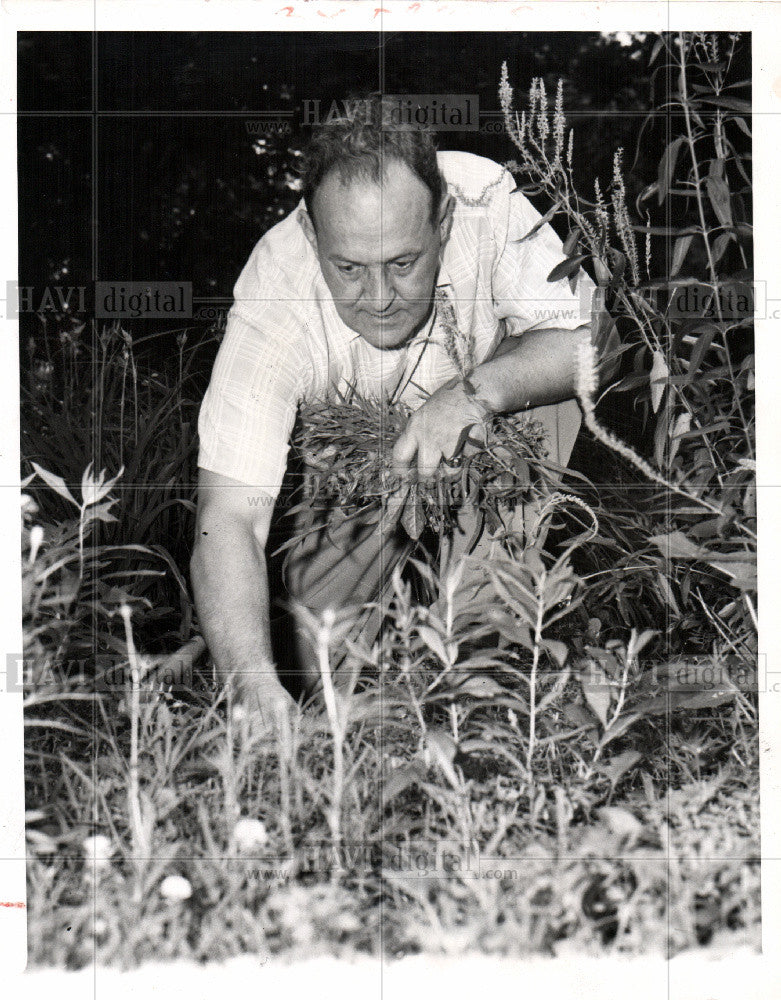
{"type": "Point", "coordinates": [29, 506]}
{"type": "Point", "coordinates": [239, 714]}
{"type": "Point", "coordinates": [176, 888]}
{"type": "Point", "coordinates": [98, 850]}
{"type": "Point", "coordinates": [250, 834]}
{"type": "Point", "coordinates": [36, 538]}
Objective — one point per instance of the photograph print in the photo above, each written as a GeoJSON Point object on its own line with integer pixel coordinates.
{"type": "Point", "coordinates": [388, 495]}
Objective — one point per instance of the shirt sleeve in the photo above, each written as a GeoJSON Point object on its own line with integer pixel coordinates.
{"type": "Point", "coordinates": [249, 408]}
{"type": "Point", "coordinates": [523, 296]}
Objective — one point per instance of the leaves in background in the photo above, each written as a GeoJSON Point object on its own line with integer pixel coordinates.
{"type": "Point", "coordinates": [596, 690]}
{"type": "Point", "coordinates": [658, 379]}
{"type": "Point", "coordinates": [667, 168]}
{"type": "Point", "coordinates": [567, 268]}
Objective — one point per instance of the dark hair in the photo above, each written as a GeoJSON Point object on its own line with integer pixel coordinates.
{"type": "Point", "coordinates": [360, 143]}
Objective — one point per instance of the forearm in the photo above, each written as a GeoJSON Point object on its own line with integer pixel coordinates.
{"type": "Point", "coordinates": [537, 370]}
{"type": "Point", "coordinates": [230, 585]}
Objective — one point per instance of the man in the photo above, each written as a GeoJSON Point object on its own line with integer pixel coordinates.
{"type": "Point", "coordinates": [393, 248]}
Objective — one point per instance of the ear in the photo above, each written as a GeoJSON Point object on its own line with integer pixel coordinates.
{"type": "Point", "coordinates": [305, 221]}
{"type": "Point", "coordinates": [446, 208]}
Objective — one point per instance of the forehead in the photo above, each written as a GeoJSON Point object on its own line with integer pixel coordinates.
{"type": "Point", "coordinates": [368, 221]}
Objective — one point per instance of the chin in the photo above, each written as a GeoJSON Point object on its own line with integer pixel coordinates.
{"type": "Point", "coordinates": [389, 342]}
{"type": "Point", "coordinates": [387, 339]}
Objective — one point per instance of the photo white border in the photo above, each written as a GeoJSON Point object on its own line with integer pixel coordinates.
{"type": "Point", "coordinates": [762, 19]}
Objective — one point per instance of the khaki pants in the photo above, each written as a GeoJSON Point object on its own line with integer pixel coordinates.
{"type": "Point", "coordinates": [352, 563]}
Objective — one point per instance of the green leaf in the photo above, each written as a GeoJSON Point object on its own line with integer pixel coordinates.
{"type": "Point", "coordinates": [440, 749]}
{"type": "Point", "coordinates": [57, 483]}
{"type": "Point", "coordinates": [617, 766]}
{"type": "Point", "coordinates": [706, 699]}
{"type": "Point", "coordinates": [578, 715]}
{"type": "Point", "coordinates": [533, 562]}
{"type": "Point", "coordinates": [637, 643]}
{"type": "Point", "coordinates": [717, 426]}
{"type": "Point", "coordinates": [412, 517]}
{"type": "Point", "coordinates": [481, 687]}
{"type": "Point", "coordinates": [689, 675]}
{"type": "Point", "coordinates": [521, 468]}
{"type": "Point", "coordinates": [596, 690]}
{"type": "Point", "coordinates": [601, 271]}
{"type": "Point", "coordinates": [567, 267]}
{"type": "Point", "coordinates": [681, 426]}
{"type": "Point", "coordinates": [401, 778]}
{"type": "Point", "coordinates": [540, 223]}
{"type": "Point", "coordinates": [676, 545]}
{"type": "Point", "coordinates": [100, 512]}
{"type": "Point", "coordinates": [743, 575]}
{"type": "Point", "coordinates": [680, 250]}
{"type": "Point", "coordinates": [571, 242]}
{"type": "Point", "coordinates": [434, 643]}
{"type": "Point", "coordinates": [731, 103]}
{"type": "Point", "coordinates": [667, 592]}
{"type": "Point", "coordinates": [662, 432]}
{"type": "Point", "coordinates": [658, 378]}
{"type": "Point", "coordinates": [700, 349]}
{"type": "Point", "coordinates": [667, 168]}
{"type": "Point", "coordinates": [558, 650]}
{"type": "Point", "coordinates": [620, 727]}
{"type": "Point", "coordinates": [720, 245]}
{"type": "Point", "coordinates": [522, 603]}
{"type": "Point", "coordinates": [718, 193]}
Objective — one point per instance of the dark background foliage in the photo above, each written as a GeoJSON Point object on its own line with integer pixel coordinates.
{"type": "Point", "coordinates": [182, 191]}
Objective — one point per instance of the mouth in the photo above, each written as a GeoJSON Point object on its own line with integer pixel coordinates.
{"type": "Point", "coordinates": [380, 316]}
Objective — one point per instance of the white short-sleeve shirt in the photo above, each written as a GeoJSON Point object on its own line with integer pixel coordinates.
{"type": "Point", "coordinates": [285, 343]}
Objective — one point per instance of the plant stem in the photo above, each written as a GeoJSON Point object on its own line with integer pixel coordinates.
{"type": "Point", "coordinates": [540, 594]}
{"type": "Point", "coordinates": [701, 212]}
{"type": "Point", "coordinates": [337, 733]}
{"type": "Point", "coordinates": [140, 845]}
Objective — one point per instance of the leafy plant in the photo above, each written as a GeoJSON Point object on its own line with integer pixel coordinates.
{"type": "Point", "coordinates": [691, 363]}
{"type": "Point", "coordinates": [346, 443]}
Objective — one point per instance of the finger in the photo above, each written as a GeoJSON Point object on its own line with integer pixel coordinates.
{"type": "Point", "coordinates": [403, 452]}
{"type": "Point", "coordinates": [452, 469]}
{"type": "Point", "coordinates": [428, 461]}
{"type": "Point", "coordinates": [471, 447]}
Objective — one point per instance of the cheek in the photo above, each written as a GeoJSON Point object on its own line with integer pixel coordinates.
{"type": "Point", "coordinates": [342, 291]}
{"type": "Point", "coordinates": [418, 288]}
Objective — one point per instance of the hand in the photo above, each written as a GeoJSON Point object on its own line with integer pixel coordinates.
{"type": "Point", "coordinates": [263, 706]}
{"type": "Point", "coordinates": [438, 429]}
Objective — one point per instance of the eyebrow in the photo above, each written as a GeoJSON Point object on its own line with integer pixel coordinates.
{"type": "Point", "coordinates": [413, 254]}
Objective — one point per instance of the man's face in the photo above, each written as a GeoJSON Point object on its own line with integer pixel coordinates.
{"type": "Point", "coordinates": [379, 251]}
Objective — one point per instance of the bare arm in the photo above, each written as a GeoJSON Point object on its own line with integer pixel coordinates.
{"type": "Point", "coordinates": [230, 584]}
{"type": "Point", "coordinates": [533, 370]}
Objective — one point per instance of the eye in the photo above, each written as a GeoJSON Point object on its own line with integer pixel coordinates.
{"type": "Point", "coordinates": [347, 269]}
{"type": "Point", "coordinates": [403, 265]}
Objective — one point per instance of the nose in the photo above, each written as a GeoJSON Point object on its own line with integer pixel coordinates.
{"type": "Point", "coordinates": [379, 292]}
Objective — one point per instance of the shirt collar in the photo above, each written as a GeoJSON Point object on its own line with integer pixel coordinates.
{"type": "Point", "coordinates": [443, 281]}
